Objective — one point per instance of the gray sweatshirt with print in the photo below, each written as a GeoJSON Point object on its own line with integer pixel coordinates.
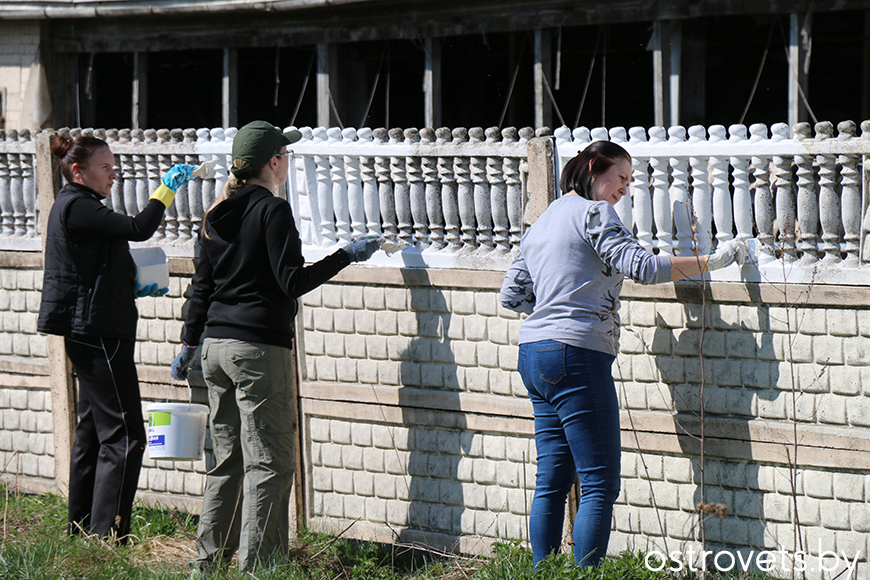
{"type": "Point", "coordinates": [568, 274]}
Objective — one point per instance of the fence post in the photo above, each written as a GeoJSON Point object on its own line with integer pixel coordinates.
{"type": "Point", "coordinates": [541, 188]}
{"type": "Point", "coordinates": [59, 368]}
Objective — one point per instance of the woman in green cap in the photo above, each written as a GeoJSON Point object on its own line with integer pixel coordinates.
{"type": "Point", "coordinates": [243, 303]}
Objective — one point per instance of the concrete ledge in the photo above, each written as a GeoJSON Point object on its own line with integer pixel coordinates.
{"type": "Point", "coordinates": [756, 440]}
{"type": "Point", "coordinates": [20, 259]}
{"type": "Point", "coordinates": [692, 291]}
{"type": "Point", "coordinates": [24, 381]}
{"type": "Point", "coordinates": [24, 366]}
{"type": "Point", "coordinates": [387, 534]}
{"type": "Point", "coordinates": [24, 484]}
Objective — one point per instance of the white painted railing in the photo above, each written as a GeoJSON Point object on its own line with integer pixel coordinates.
{"type": "Point", "coordinates": [455, 198]}
{"type": "Point", "coordinates": [17, 192]}
{"type": "Point", "coordinates": [801, 196]}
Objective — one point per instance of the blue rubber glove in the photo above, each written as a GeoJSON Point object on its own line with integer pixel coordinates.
{"type": "Point", "coordinates": [140, 291]}
{"type": "Point", "coordinates": [178, 176]}
{"type": "Point", "coordinates": [361, 249]}
{"type": "Point", "coordinates": [182, 362]}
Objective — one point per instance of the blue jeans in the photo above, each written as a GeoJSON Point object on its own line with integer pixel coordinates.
{"type": "Point", "coordinates": [576, 431]}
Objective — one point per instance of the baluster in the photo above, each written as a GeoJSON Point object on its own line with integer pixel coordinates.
{"type": "Point", "coordinates": [340, 194]}
{"type": "Point", "coordinates": [385, 188]}
{"type": "Point", "coordinates": [340, 204]}
{"type": "Point", "coordinates": [164, 162]}
{"type": "Point", "coordinates": [600, 134]}
{"type": "Point", "coordinates": [851, 196]}
{"type": "Point", "coordinates": [482, 207]}
{"type": "Point", "coordinates": [702, 199]}
{"type": "Point", "coordinates": [324, 192]}
{"type": "Point", "coordinates": [449, 199]}
{"type": "Point", "coordinates": [464, 192]}
{"type": "Point", "coordinates": [723, 213]}
{"type": "Point", "coordinates": [152, 172]}
{"type": "Point", "coordinates": [369, 184]}
{"type": "Point", "coordinates": [116, 198]}
{"type": "Point", "coordinates": [16, 190]}
{"type": "Point", "coordinates": [785, 196]}
{"type": "Point", "coordinates": [6, 224]}
{"type": "Point", "coordinates": [623, 206]}
{"type": "Point", "coordinates": [28, 188]}
{"type": "Point", "coordinates": [416, 189]}
{"type": "Point", "coordinates": [661, 201]}
{"type": "Point", "coordinates": [199, 193]}
{"type": "Point", "coordinates": [807, 201]}
{"type": "Point", "coordinates": [581, 138]}
{"type": "Point", "coordinates": [432, 192]}
{"type": "Point", "coordinates": [355, 201]}
{"type": "Point", "coordinates": [401, 191]}
{"type": "Point", "coordinates": [829, 201]}
{"type": "Point", "coordinates": [681, 209]}
{"type": "Point", "coordinates": [127, 175]}
{"type": "Point", "coordinates": [140, 175]}
{"type": "Point", "coordinates": [641, 200]}
{"type": "Point", "coordinates": [221, 173]}
{"type": "Point", "coordinates": [764, 208]}
{"type": "Point", "coordinates": [740, 173]}
{"type": "Point", "coordinates": [497, 193]}
{"type": "Point", "coordinates": [310, 230]}
{"type": "Point", "coordinates": [184, 197]}
{"type": "Point", "coordinates": [514, 193]}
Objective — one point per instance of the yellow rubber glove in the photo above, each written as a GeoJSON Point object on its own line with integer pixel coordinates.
{"type": "Point", "coordinates": [177, 176]}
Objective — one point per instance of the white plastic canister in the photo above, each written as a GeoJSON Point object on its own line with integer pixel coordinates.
{"type": "Point", "coordinates": [176, 431]}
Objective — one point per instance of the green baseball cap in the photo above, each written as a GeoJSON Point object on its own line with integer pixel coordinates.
{"type": "Point", "coordinates": [256, 143]}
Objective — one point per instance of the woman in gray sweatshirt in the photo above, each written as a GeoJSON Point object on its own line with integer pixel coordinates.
{"type": "Point", "coordinates": [567, 277]}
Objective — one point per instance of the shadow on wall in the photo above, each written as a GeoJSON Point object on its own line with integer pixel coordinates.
{"type": "Point", "coordinates": [739, 375]}
{"type": "Point", "coordinates": [437, 436]}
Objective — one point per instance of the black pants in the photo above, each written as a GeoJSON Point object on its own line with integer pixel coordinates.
{"type": "Point", "coordinates": [110, 436]}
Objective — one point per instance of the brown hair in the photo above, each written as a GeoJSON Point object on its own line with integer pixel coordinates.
{"type": "Point", "coordinates": [578, 173]}
{"type": "Point", "coordinates": [233, 185]}
{"type": "Point", "coordinates": [69, 151]}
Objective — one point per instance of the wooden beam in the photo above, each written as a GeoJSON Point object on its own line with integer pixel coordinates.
{"type": "Point", "coordinates": [59, 366]}
{"type": "Point", "coordinates": [542, 69]}
{"type": "Point", "coordinates": [140, 90]}
{"type": "Point", "coordinates": [323, 91]}
{"type": "Point", "coordinates": [800, 35]}
{"type": "Point", "coordinates": [432, 83]}
{"type": "Point", "coordinates": [229, 89]}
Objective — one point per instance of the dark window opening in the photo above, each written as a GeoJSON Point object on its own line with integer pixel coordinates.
{"type": "Point", "coordinates": [476, 80]}
{"type": "Point", "coordinates": [105, 95]}
{"type": "Point", "coordinates": [619, 92]}
{"type": "Point", "coordinates": [184, 88]}
{"type": "Point", "coordinates": [294, 78]}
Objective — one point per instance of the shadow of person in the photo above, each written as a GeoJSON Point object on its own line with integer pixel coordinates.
{"type": "Point", "coordinates": [430, 507]}
{"type": "Point", "coordinates": [719, 365]}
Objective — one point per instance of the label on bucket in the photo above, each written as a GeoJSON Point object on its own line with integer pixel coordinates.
{"type": "Point", "coordinates": [157, 440]}
{"type": "Point", "coordinates": [158, 419]}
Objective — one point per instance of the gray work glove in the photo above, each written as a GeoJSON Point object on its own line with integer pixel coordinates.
{"type": "Point", "coordinates": [726, 254]}
{"type": "Point", "coordinates": [182, 362]}
{"type": "Point", "coordinates": [361, 249]}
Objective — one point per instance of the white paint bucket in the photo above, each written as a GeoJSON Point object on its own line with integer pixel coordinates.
{"type": "Point", "coordinates": [176, 431]}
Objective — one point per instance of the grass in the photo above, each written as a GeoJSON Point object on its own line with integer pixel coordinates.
{"type": "Point", "coordinates": [34, 546]}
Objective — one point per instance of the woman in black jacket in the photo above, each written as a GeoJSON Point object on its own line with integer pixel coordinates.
{"type": "Point", "coordinates": [88, 297]}
{"type": "Point", "coordinates": [249, 274]}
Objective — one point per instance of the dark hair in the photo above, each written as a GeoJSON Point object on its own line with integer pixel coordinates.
{"type": "Point", "coordinates": [69, 151]}
{"type": "Point", "coordinates": [578, 173]}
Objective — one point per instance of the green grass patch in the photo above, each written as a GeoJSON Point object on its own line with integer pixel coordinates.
{"type": "Point", "coordinates": [34, 546]}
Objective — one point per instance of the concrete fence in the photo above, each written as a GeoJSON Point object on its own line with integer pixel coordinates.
{"type": "Point", "coordinates": [745, 398]}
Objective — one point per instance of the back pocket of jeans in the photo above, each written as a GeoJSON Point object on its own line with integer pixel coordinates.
{"type": "Point", "coordinates": [551, 363]}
